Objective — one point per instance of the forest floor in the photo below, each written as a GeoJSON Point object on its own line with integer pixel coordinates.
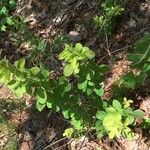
{"type": "Point", "coordinates": [57, 22]}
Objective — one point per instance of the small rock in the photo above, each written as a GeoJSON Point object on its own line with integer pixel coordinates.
{"type": "Point", "coordinates": [74, 36]}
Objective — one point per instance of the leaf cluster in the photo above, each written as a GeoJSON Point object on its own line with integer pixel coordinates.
{"type": "Point", "coordinates": [73, 56]}
{"type": "Point", "coordinates": [116, 118]}
{"type": "Point", "coordinates": [6, 19]}
{"type": "Point", "coordinates": [106, 22]}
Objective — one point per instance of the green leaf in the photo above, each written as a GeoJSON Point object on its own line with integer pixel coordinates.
{"type": "Point", "coordinates": [77, 124]}
{"type": "Point", "coordinates": [85, 49]}
{"type": "Point", "coordinates": [65, 86]}
{"type": "Point", "coordinates": [128, 133]}
{"type": "Point", "coordinates": [20, 75]}
{"type": "Point", "coordinates": [103, 69]}
{"type": "Point", "coordinates": [2, 28]}
{"type": "Point", "coordinates": [20, 64]}
{"type": "Point", "coordinates": [76, 69]}
{"type": "Point", "coordinates": [68, 132]}
{"type": "Point", "coordinates": [66, 114]}
{"type": "Point", "coordinates": [5, 75]}
{"type": "Point", "coordinates": [105, 104]}
{"type": "Point", "coordinates": [54, 100]}
{"type": "Point", "coordinates": [99, 92]}
{"type": "Point", "coordinates": [101, 115]}
{"type": "Point", "coordinates": [88, 77]}
{"type": "Point", "coordinates": [41, 95]}
{"type": "Point", "coordinates": [13, 84]}
{"type": "Point", "coordinates": [140, 78]}
{"type": "Point", "coordinates": [89, 91]}
{"type": "Point", "coordinates": [130, 80]}
{"type": "Point", "coordinates": [66, 53]}
{"type": "Point", "coordinates": [134, 57]}
{"type": "Point", "coordinates": [142, 44]}
{"type": "Point", "coordinates": [61, 56]}
{"type": "Point", "coordinates": [88, 53]}
{"type": "Point", "coordinates": [138, 113]}
{"type": "Point", "coordinates": [4, 11]}
{"type": "Point", "coordinates": [127, 111]}
{"type": "Point", "coordinates": [117, 105]}
{"type": "Point", "coordinates": [91, 83]}
{"type": "Point", "coordinates": [146, 67]}
{"type": "Point", "coordinates": [83, 85]}
{"type": "Point", "coordinates": [20, 91]}
{"type": "Point", "coordinates": [44, 73]}
{"type": "Point", "coordinates": [129, 120]}
{"type": "Point", "coordinates": [35, 70]}
{"type": "Point", "coordinates": [68, 70]}
{"type": "Point", "coordinates": [40, 106]}
{"type": "Point", "coordinates": [110, 110]}
{"type": "Point", "coordinates": [9, 21]}
{"type": "Point", "coordinates": [49, 104]}
{"type": "Point", "coordinates": [112, 134]}
{"type": "Point", "coordinates": [29, 87]}
{"type": "Point", "coordinates": [73, 63]}
{"type": "Point", "coordinates": [78, 47]}
{"type": "Point", "coordinates": [18, 87]}
{"type": "Point", "coordinates": [98, 125]}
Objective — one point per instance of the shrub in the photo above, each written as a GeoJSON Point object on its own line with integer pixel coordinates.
{"type": "Point", "coordinates": [77, 94]}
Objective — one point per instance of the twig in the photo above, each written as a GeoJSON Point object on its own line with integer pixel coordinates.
{"type": "Point", "coordinates": [112, 53]}
{"type": "Point", "coordinates": [62, 139]}
{"type": "Point", "coordinates": [63, 145]}
{"type": "Point", "coordinates": [107, 45]}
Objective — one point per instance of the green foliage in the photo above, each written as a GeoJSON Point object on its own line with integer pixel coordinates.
{"type": "Point", "coordinates": [146, 123]}
{"type": "Point", "coordinates": [88, 81]}
{"type": "Point", "coordinates": [68, 132]}
{"type": "Point", "coordinates": [6, 19]}
{"type": "Point", "coordinates": [106, 22]}
{"type": "Point", "coordinates": [140, 59]}
{"type": "Point", "coordinates": [73, 56]}
{"type": "Point", "coordinates": [131, 81]}
{"type": "Point", "coordinates": [78, 92]}
{"type": "Point", "coordinates": [78, 98]}
{"type": "Point", "coordinates": [22, 80]}
{"type": "Point", "coordinates": [141, 55]}
{"type": "Point", "coordinates": [114, 120]}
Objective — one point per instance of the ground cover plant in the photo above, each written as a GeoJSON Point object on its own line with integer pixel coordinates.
{"type": "Point", "coordinates": [76, 86]}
